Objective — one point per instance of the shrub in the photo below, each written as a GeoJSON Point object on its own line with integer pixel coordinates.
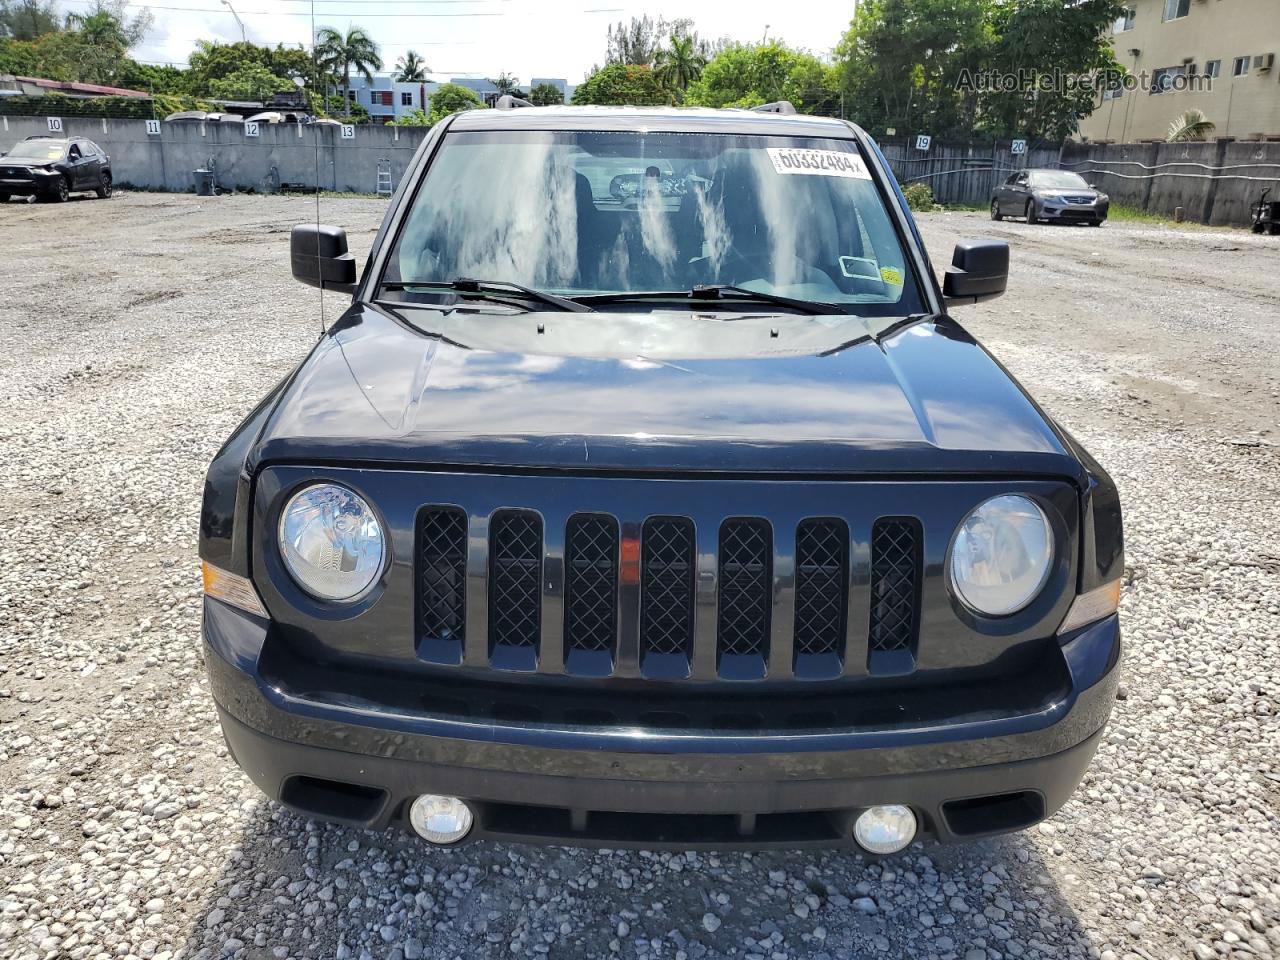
{"type": "Point", "coordinates": [621, 85]}
{"type": "Point", "coordinates": [919, 197]}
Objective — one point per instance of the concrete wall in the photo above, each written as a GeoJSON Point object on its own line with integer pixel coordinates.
{"type": "Point", "coordinates": [281, 153]}
{"type": "Point", "coordinates": [1214, 183]}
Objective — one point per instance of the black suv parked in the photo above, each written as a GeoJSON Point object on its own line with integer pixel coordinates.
{"type": "Point", "coordinates": [646, 494]}
{"type": "Point", "coordinates": [53, 169]}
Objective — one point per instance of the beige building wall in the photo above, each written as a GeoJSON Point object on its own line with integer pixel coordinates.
{"type": "Point", "coordinates": [1246, 107]}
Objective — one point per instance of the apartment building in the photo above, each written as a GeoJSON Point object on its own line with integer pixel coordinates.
{"type": "Point", "coordinates": [387, 99]}
{"type": "Point", "coordinates": [1219, 56]}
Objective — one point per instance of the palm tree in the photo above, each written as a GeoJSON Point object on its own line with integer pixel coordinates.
{"type": "Point", "coordinates": [505, 83]}
{"type": "Point", "coordinates": [679, 65]}
{"type": "Point", "coordinates": [1192, 125]}
{"type": "Point", "coordinates": [338, 53]}
{"type": "Point", "coordinates": [411, 68]}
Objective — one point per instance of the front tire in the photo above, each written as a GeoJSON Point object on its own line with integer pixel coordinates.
{"type": "Point", "coordinates": [995, 210]}
{"type": "Point", "coordinates": [60, 192]}
{"type": "Point", "coordinates": [1031, 212]}
{"type": "Point", "coordinates": [1096, 223]}
{"type": "Point", "coordinates": [104, 188]}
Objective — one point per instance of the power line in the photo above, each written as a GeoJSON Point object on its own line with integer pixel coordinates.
{"type": "Point", "coordinates": [334, 13]}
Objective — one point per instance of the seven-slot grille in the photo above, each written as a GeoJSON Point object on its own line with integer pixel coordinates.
{"type": "Point", "coordinates": [664, 568]}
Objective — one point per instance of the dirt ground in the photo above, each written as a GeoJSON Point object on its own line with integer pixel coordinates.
{"type": "Point", "coordinates": [136, 332]}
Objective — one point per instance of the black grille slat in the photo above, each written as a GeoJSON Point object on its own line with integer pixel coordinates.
{"type": "Point", "coordinates": [591, 583]}
{"type": "Point", "coordinates": [515, 579]}
{"type": "Point", "coordinates": [895, 584]}
{"type": "Point", "coordinates": [745, 588]}
{"type": "Point", "coordinates": [666, 586]}
{"type": "Point", "coordinates": [442, 571]}
{"type": "Point", "coordinates": [822, 577]}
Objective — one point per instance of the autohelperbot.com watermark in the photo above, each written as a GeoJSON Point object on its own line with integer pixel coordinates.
{"type": "Point", "coordinates": [1099, 82]}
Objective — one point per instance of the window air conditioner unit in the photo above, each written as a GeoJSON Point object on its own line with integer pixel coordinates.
{"type": "Point", "coordinates": [1264, 62]}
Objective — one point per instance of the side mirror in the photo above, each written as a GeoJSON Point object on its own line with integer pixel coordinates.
{"type": "Point", "coordinates": [979, 271]}
{"type": "Point", "coordinates": [318, 254]}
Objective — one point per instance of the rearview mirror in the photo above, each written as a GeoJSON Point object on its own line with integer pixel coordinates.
{"type": "Point", "coordinates": [979, 271]}
{"type": "Point", "coordinates": [318, 254]}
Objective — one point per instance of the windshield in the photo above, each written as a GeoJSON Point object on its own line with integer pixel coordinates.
{"type": "Point", "coordinates": [583, 213]}
{"type": "Point", "coordinates": [36, 150]}
{"type": "Point", "coordinates": [1059, 179]}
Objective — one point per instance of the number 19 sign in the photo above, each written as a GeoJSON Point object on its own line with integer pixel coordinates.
{"type": "Point", "coordinates": [923, 141]}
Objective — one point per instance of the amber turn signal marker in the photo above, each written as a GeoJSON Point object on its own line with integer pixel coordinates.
{"type": "Point", "coordinates": [1090, 607]}
{"type": "Point", "coordinates": [231, 588]}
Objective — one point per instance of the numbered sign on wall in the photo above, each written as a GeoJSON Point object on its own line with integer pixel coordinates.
{"type": "Point", "coordinates": [153, 128]}
{"type": "Point", "coordinates": [1018, 146]}
{"type": "Point", "coordinates": [348, 131]}
{"type": "Point", "coordinates": [923, 141]}
{"type": "Point", "coordinates": [55, 124]}
{"type": "Point", "coordinates": [251, 128]}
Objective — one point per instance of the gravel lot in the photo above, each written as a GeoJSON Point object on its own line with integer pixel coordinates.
{"type": "Point", "coordinates": [135, 333]}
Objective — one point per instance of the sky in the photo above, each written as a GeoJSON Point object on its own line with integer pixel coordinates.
{"type": "Point", "coordinates": [527, 38]}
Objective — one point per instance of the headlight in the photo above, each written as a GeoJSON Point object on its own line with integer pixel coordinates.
{"type": "Point", "coordinates": [1001, 556]}
{"type": "Point", "coordinates": [331, 542]}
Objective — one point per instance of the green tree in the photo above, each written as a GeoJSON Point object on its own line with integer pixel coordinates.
{"type": "Point", "coordinates": [28, 19]}
{"type": "Point", "coordinates": [19, 56]}
{"type": "Point", "coordinates": [414, 118]}
{"type": "Point", "coordinates": [250, 82]}
{"type": "Point", "coordinates": [339, 53]}
{"type": "Point", "coordinates": [621, 84]}
{"type": "Point", "coordinates": [545, 95]}
{"type": "Point", "coordinates": [411, 68]}
{"type": "Point", "coordinates": [900, 60]}
{"type": "Point", "coordinates": [505, 83]}
{"type": "Point", "coordinates": [451, 98]}
{"type": "Point", "coordinates": [635, 43]}
{"type": "Point", "coordinates": [1042, 40]}
{"type": "Point", "coordinates": [680, 63]}
{"type": "Point", "coordinates": [746, 76]}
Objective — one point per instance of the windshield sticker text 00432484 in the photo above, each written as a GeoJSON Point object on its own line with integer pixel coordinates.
{"type": "Point", "coordinates": [820, 163]}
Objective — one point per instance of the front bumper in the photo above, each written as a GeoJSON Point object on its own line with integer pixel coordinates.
{"type": "Point", "coordinates": [1051, 209]}
{"type": "Point", "coordinates": [355, 763]}
{"type": "Point", "coordinates": [26, 186]}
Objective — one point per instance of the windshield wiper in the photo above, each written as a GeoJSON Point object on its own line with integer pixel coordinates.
{"type": "Point", "coordinates": [490, 289]}
{"type": "Point", "coordinates": [717, 291]}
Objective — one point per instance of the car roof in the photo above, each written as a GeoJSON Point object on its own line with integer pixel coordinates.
{"type": "Point", "coordinates": [665, 119]}
{"type": "Point", "coordinates": [63, 140]}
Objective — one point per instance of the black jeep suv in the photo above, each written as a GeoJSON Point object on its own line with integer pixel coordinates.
{"type": "Point", "coordinates": [646, 494]}
{"type": "Point", "coordinates": [53, 168]}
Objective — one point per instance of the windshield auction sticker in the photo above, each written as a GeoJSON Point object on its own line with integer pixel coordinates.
{"type": "Point", "coordinates": [818, 163]}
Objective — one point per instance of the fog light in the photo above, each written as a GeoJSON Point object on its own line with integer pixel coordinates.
{"type": "Point", "coordinates": [885, 829]}
{"type": "Point", "coordinates": [440, 820]}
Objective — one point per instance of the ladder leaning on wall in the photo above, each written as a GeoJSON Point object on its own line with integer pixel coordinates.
{"type": "Point", "coordinates": [384, 188]}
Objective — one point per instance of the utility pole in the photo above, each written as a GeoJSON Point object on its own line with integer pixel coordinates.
{"type": "Point", "coordinates": [227, 4]}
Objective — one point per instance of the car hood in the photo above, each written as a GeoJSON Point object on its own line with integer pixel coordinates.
{"type": "Point", "coordinates": [26, 164]}
{"type": "Point", "coordinates": [665, 391]}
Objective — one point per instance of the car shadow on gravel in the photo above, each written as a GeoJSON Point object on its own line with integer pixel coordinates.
{"type": "Point", "coordinates": [295, 887]}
